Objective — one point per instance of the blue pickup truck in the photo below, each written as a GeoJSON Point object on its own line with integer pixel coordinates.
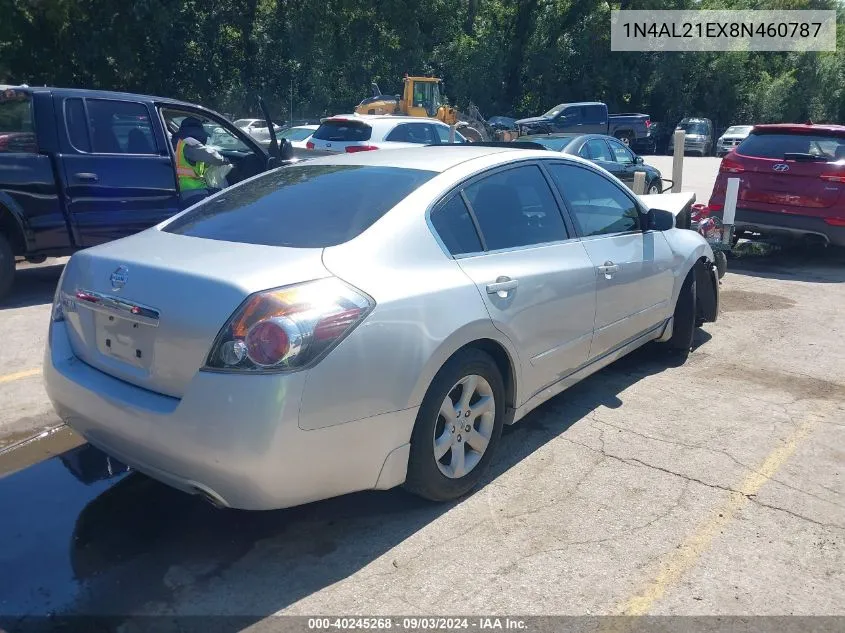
{"type": "Point", "coordinates": [589, 117]}
{"type": "Point", "coordinates": [82, 167]}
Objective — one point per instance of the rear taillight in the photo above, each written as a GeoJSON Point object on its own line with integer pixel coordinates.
{"type": "Point", "coordinates": [58, 311]}
{"type": "Point", "coordinates": [288, 328]}
{"type": "Point", "coordinates": [729, 166]}
{"type": "Point", "coordinates": [713, 207]}
{"type": "Point", "coordinates": [351, 149]}
{"type": "Point", "coordinates": [835, 221]}
{"type": "Point", "coordinates": [648, 123]}
{"type": "Point", "coordinates": [833, 177]}
{"type": "Point", "coordinates": [309, 145]}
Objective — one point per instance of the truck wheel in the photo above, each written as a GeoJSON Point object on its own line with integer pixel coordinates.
{"type": "Point", "coordinates": [626, 138]}
{"type": "Point", "coordinates": [7, 266]}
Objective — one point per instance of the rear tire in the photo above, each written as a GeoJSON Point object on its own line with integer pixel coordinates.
{"type": "Point", "coordinates": [626, 138]}
{"type": "Point", "coordinates": [7, 266]}
{"type": "Point", "coordinates": [447, 410]}
{"type": "Point", "coordinates": [683, 322]}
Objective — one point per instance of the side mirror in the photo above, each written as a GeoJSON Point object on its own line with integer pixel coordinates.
{"type": "Point", "coordinates": [659, 220]}
{"type": "Point", "coordinates": [638, 160]}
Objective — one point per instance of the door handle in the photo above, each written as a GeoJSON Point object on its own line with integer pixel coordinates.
{"type": "Point", "coordinates": [86, 176]}
{"type": "Point", "coordinates": [502, 286]}
{"type": "Point", "coordinates": [608, 269]}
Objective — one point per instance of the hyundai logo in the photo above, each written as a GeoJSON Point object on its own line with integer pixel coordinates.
{"type": "Point", "coordinates": [119, 277]}
{"type": "Point", "coordinates": [781, 167]}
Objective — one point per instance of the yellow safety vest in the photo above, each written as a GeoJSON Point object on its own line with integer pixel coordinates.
{"type": "Point", "coordinates": [189, 176]}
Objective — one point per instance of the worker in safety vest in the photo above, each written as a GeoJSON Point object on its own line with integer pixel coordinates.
{"type": "Point", "coordinates": [193, 158]}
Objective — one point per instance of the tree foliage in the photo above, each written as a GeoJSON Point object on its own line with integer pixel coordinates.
{"type": "Point", "coordinates": [516, 57]}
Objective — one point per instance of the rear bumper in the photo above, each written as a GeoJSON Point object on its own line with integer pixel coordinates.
{"type": "Point", "coordinates": [236, 439]}
{"type": "Point", "coordinates": [788, 225]}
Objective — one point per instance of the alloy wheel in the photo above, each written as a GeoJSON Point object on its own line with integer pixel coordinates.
{"type": "Point", "coordinates": [464, 426]}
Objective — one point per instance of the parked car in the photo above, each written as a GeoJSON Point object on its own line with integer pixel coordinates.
{"type": "Point", "coordinates": [589, 117]}
{"type": "Point", "coordinates": [363, 132]}
{"type": "Point", "coordinates": [606, 152]}
{"type": "Point", "coordinates": [732, 137]}
{"type": "Point", "coordinates": [698, 136]}
{"type": "Point", "coordinates": [365, 320]}
{"type": "Point", "coordinates": [656, 140]}
{"type": "Point", "coordinates": [82, 167]}
{"type": "Point", "coordinates": [791, 181]}
{"type": "Point", "coordinates": [299, 135]}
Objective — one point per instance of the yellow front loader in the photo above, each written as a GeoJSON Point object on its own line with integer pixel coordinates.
{"type": "Point", "coordinates": [421, 97]}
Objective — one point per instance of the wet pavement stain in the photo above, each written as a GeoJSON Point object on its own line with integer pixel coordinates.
{"type": "Point", "coordinates": [746, 301]}
{"type": "Point", "coordinates": [84, 537]}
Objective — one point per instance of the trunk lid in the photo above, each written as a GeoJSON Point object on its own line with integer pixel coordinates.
{"type": "Point", "coordinates": [147, 309]}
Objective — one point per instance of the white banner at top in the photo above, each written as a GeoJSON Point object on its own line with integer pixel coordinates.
{"type": "Point", "coordinates": [723, 30]}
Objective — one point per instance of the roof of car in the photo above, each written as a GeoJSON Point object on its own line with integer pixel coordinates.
{"type": "Point", "coordinates": [582, 103]}
{"type": "Point", "coordinates": [431, 158]}
{"type": "Point", "coordinates": [838, 130]}
{"type": "Point", "coordinates": [381, 118]}
{"type": "Point", "coordinates": [557, 135]}
{"type": "Point", "coordinates": [105, 94]}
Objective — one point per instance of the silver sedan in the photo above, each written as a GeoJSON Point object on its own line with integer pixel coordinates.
{"type": "Point", "coordinates": [366, 320]}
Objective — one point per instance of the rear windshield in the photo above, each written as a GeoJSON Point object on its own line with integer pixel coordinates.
{"type": "Point", "coordinates": [693, 127]}
{"type": "Point", "coordinates": [308, 206]}
{"type": "Point", "coordinates": [768, 145]}
{"type": "Point", "coordinates": [346, 131]}
{"type": "Point", "coordinates": [555, 143]}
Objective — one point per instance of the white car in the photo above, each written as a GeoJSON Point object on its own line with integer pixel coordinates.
{"type": "Point", "coordinates": [298, 135]}
{"type": "Point", "coordinates": [362, 321]}
{"type": "Point", "coordinates": [257, 129]}
{"type": "Point", "coordinates": [359, 133]}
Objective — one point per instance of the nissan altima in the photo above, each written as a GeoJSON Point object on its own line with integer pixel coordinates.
{"type": "Point", "coordinates": [365, 321]}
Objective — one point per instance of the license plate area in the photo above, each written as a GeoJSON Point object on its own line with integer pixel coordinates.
{"type": "Point", "coordinates": [124, 340]}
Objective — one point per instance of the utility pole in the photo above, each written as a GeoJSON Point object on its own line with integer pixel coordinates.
{"type": "Point", "coordinates": [290, 123]}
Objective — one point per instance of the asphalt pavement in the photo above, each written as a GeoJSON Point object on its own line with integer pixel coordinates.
{"type": "Point", "coordinates": [710, 488]}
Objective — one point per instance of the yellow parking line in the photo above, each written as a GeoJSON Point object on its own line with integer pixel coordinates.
{"type": "Point", "coordinates": [679, 561]}
{"type": "Point", "coordinates": [19, 375]}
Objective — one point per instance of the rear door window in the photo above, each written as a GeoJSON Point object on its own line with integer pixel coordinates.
{"type": "Point", "coordinates": [594, 114]}
{"type": "Point", "coordinates": [516, 208]}
{"type": "Point", "coordinates": [598, 150]}
{"type": "Point", "coordinates": [77, 124]}
{"type": "Point", "coordinates": [17, 131]}
{"type": "Point", "coordinates": [421, 133]}
{"type": "Point", "coordinates": [455, 227]}
{"type": "Point", "coordinates": [120, 127]}
{"type": "Point", "coordinates": [775, 145]}
{"type": "Point", "coordinates": [302, 206]}
{"type": "Point", "coordinates": [443, 135]}
{"type": "Point", "coordinates": [343, 131]}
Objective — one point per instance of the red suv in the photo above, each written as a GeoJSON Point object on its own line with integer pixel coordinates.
{"type": "Point", "coordinates": [791, 182]}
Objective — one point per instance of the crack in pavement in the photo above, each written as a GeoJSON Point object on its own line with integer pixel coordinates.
{"type": "Point", "coordinates": [751, 497]}
{"type": "Point", "coordinates": [726, 454]}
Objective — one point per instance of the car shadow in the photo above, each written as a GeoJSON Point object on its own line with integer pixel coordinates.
{"type": "Point", "coordinates": [139, 543]}
{"type": "Point", "coordinates": [795, 262]}
{"type": "Point", "coordinates": [34, 285]}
